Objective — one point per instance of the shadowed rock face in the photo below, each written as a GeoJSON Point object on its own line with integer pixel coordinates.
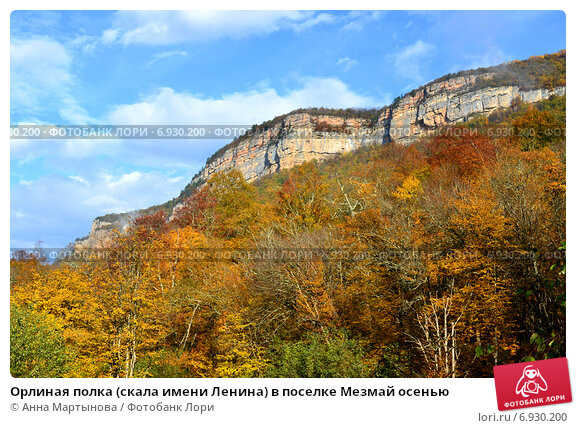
{"type": "Point", "coordinates": [303, 137]}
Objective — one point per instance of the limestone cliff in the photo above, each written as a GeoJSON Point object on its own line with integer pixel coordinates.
{"type": "Point", "coordinates": [302, 137]}
{"type": "Point", "coordinates": [308, 135]}
{"type": "Point", "coordinates": [298, 138]}
{"type": "Point", "coordinates": [451, 102]}
{"type": "Point", "coordinates": [103, 230]}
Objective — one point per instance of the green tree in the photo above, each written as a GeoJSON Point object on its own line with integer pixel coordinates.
{"type": "Point", "coordinates": [321, 356]}
{"type": "Point", "coordinates": [37, 348]}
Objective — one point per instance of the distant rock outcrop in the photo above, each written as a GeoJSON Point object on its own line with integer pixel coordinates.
{"type": "Point", "coordinates": [103, 229]}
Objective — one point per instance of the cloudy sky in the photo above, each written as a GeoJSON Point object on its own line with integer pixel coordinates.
{"type": "Point", "coordinates": [202, 67]}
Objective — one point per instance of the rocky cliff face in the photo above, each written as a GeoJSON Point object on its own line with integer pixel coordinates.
{"type": "Point", "coordinates": [302, 137]}
{"type": "Point", "coordinates": [451, 102]}
{"type": "Point", "coordinates": [296, 139]}
{"type": "Point", "coordinates": [103, 230]}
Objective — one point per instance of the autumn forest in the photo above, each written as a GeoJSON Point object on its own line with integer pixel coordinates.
{"type": "Point", "coordinates": [438, 259]}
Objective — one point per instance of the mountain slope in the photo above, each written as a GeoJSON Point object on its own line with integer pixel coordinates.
{"type": "Point", "coordinates": [319, 134]}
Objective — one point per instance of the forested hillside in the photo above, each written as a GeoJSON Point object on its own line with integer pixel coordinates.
{"type": "Point", "coordinates": [537, 73]}
{"type": "Point", "coordinates": [438, 259]}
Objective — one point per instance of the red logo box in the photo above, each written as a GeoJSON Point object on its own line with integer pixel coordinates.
{"type": "Point", "coordinates": [531, 384]}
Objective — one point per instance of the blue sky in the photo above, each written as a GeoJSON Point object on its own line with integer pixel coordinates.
{"type": "Point", "coordinates": [202, 67]}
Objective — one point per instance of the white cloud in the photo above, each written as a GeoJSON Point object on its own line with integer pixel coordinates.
{"type": "Point", "coordinates": [346, 63]}
{"type": "Point", "coordinates": [72, 112]}
{"type": "Point", "coordinates": [109, 36]}
{"type": "Point", "coordinates": [18, 214]}
{"type": "Point", "coordinates": [171, 27]}
{"type": "Point", "coordinates": [124, 180]}
{"type": "Point", "coordinates": [357, 20]}
{"type": "Point", "coordinates": [58, 209]}
{"type": "Point", "coordinates": [125, 192]}
{"type": "Point", "coordinates": [105, 200]}
{"type": "Point", "coordinates": [76, 149]}
{"type": "Point", "coordinates": [167, 106]}
{"type": "Point", "coordinates": [41, 80]}
{"type": "Point", "coordinates": [322, 18]}
{"type": "Point", "coordinates": [39, 69]}
{"type": "Point", "coordinates": [410, 61]}
{"type": "Point", "coordinates": [162, 55]}
{"type": "Point", "coordinates": [493, 56]}
{"type": "Point", "coordinates": [79, 179]}
{"type": "Point", "coordinates": [43, 59]}
{"type": "Point", "coordinates": [85, 44]}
